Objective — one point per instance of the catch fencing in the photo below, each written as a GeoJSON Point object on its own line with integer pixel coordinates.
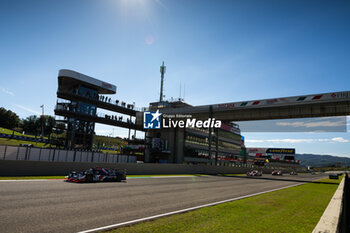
{"type": "Point", "coordinates": [59, 155]}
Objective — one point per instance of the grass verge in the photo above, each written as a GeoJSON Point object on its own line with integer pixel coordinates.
{"type": "Point", "coordinates": [15, 142]}
{"type": "Point", "coordinates": [296, 209]}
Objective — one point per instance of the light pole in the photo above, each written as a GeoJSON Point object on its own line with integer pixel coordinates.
{"type": "Point", "coordinates": [42, 121]}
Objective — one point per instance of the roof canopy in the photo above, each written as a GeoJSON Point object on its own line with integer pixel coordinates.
{"type": "Point", "coordinates": [69, 78]}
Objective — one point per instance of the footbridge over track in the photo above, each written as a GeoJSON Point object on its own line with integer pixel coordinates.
{"type": "Point", "coordinates": [317, 105]}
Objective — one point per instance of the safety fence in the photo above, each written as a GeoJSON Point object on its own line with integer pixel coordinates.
{"type": "Point", "coordinates": [59, 155]}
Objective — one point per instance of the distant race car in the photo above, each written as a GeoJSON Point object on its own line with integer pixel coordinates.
{"type": "Point", "coordinates": [293, 173]}
{"type": "Point", "coordinates": [97, 174]}
{"type": "Point", "coordinates": [254, 173]}
{"type": "Point", "coordinates": [277, 173]}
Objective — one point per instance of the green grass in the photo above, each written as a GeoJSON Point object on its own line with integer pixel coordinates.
{"type": "Point", "coordinates": [9, 131]}
{"type": "Point", "coordinates": [296, 209]}
{"type": "Point", "coordinates": [15, 142]}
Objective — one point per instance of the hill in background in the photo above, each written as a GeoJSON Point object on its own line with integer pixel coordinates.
{"type": "Point", "coordinates": [321, 160]}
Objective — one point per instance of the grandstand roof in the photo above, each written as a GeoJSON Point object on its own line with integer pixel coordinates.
{"type": "Point", "coordinates": [69, 78]}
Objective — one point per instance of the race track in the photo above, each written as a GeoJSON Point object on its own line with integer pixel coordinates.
{"type": "Point", "coordinates": [57, 206]}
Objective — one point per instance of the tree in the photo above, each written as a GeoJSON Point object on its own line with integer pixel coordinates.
{"type": "Point", "coordinates": [31, 125]}
{"type": "Point", "coordinates": [50, 123]}
{"type": "Point", "coordinates": [8, 119]}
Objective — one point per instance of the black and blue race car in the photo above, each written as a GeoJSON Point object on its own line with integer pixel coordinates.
{"type": "Point", "coordinates": [97, 174]}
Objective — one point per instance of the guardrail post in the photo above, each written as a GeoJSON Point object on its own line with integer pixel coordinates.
{"type": "Point", "coordinates": [92, 157]}
{"type": "Point", "coordinates": [5, 152]}
{"type": "Point", "coordinates": [17, 153]}
{"type": "Point", "coordinates": [30, 151]}
{"type": "Point", "coordinates": [25, 156]}
{"type": "Point", "coordinates": [75, 153]}
{"type": "Point", "coordinates": [53, 156]}
{"type": "Point", "coordinates": [49, 155]}
{"type": "Point", "coordinates": [40, 153]}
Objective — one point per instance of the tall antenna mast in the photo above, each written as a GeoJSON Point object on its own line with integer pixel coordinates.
{"type": "Point", "coordinates": [180, 92]}
{"type": "Point", "coordinates": [162, 72]}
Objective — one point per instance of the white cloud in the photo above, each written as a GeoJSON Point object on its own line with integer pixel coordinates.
{"type": "Point", "coordinates": [339, 139]}
{"type": "Point", "coordinates": [312, 124]}
{"type": "Point", "coordinates": [27, 109]}
{"type": "Point", "coordinates": [7, 92]}
{"type": "Point", "coordinates": [293, 141]}
{"type": "Point", "coordinates": [254, 141]}
{"type": "Point", "coordinates": [281, 140]}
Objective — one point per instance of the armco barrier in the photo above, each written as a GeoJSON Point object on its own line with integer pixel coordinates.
{"type": "Point", "coordinates": [47, 168]}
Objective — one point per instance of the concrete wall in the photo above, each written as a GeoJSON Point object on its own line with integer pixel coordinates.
{"type": "Point", "coordinates": [329, 221]}
{"type": "Point", "coordinates": [45, 168]}
{"type": "Point", "coordinates": [57, 155]}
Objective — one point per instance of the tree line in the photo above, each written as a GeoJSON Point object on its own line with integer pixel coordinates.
{"type": "Point", "coordinates": [30, 125]}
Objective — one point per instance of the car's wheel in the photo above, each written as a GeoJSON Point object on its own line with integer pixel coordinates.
{"type": "Point", "coordinates": [119, 178]}
{"type": "Point", "coordinates": [89, 178]}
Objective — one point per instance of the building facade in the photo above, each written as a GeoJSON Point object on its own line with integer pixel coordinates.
{"type": "Point", "coordinates": [192, 144]}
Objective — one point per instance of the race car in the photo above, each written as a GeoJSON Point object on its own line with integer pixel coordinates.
{"type": "Point", "coordinates": [277, 173]}
{"type": "Point", "coordinates": [97, 174]}
{"type": "Point", "coordinates": [254, 173]}
{"type": "Point", "coordinates": [293, 173]}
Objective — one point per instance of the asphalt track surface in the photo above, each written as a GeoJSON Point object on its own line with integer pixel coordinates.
{"type": "Point", "coordinates": [58, 206]}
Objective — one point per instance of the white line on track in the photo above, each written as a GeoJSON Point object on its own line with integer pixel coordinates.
{"type": "Point", "coordinates": [113, 226]}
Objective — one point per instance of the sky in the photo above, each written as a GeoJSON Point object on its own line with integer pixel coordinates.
{"type": "Point", "coordinates": [218, 51]}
